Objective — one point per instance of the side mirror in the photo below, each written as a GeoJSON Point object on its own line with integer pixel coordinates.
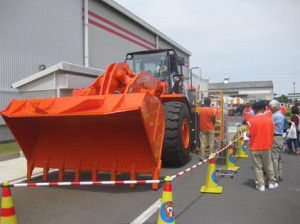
{"type": "Point", "coordinates": [180, 61]}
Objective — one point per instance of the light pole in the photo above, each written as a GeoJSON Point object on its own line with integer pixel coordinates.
{"type": "Point", "coordinates": [294, 83]}
{"type": "Point", "coordinates": [191, 74]}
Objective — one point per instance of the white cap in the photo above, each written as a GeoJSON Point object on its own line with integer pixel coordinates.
{"type": "Point", "coordinates": [274, 104]}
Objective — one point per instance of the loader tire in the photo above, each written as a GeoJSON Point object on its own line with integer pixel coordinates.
{"type": "Point", "coordinates": [178, 135]}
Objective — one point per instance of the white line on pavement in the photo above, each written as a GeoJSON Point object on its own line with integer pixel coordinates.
{"type": "Point", "coordinates": [147, 213]}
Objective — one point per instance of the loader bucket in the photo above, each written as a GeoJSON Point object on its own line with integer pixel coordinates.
{"type": "Point", "coordinates": [87, 133]}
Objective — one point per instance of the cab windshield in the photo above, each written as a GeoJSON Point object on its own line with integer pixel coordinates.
{"type": "Point", "coordinates": [156, 64]}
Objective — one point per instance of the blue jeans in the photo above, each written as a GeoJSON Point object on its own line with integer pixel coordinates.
{"type": "Point", "coordinates": [293, 142]}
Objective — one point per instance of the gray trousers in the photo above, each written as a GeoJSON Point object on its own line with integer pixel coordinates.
{"type": "Point", "coordinates": [206, 138]}
{"type": "Point", "coordinates": [261, 160]}
{"type": "Point", "coordinates": [277, 146]}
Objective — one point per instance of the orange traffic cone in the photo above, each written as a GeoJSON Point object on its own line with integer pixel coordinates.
{"type": "Point", "coordinates": [8, 215]}
{"type": "Point", "coordinates": [166, 212]}
{"type": "Point", "coordinates": [211, 185]}
{"type": "Point", "coordinates": [230, 162]}
{"type": "Point", "coordinates": [241, 149]}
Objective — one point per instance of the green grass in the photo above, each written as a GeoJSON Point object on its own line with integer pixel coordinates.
{"type": "Point", "coordinates": [8, 149]}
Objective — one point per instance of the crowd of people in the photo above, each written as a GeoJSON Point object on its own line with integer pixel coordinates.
{"type": "Point", "coordinates": [269, 130]}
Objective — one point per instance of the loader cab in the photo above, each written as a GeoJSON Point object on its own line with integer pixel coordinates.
{"type": "Point", "coordinates": [164, 64]}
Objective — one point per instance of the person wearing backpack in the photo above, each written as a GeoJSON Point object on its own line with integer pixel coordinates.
{"type": "Point", "coordinates": [296, 119]}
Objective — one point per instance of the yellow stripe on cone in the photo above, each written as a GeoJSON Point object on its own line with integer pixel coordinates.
{"type": "Point", "coordinates": [211, 185]}
{"type": "Point", "coordinates": [230, 162]}
{"type": "Point", "coordinates": [8, 215]}
{"type": "Point", "coordinates": [166, 212]}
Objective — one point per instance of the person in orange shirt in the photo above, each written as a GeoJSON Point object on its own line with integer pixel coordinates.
{"type": "Point", "coordinates": [268, 111]}
{"type": "Point", "coordinates": [261, 130]}
{"type": "Point", "coordinates": [207, 119]}
{"type": "Point", "coordinates": [248, 112]}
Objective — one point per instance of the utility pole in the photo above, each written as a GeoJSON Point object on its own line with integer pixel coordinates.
{"type": "Point", "coordinates": [191, 74]}
{"type": "Point", "coordinates": [294, 87]}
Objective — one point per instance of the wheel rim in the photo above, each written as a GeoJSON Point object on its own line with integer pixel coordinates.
{"type": "Point", "coordinates": [185, 132]}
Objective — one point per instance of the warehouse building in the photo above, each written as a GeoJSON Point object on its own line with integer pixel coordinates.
{"type": "Point", "coordinates": [36, 35]}
{"type": "Point", "coordinates": [250, 90]}
{"type": "Point", "coordinates": [294, 96]}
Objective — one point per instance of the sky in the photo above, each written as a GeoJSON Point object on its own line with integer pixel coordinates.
{"type": "Point", "coordinates": [245, 40]}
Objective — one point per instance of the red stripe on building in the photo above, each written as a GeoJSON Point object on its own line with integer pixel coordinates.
{"type": "Point", "coordinates": [5, 212]}
{"type": "Point", "coordinates": [118, 34]}
{"type": "Point", "coordinates": [31, 184]}
{"type": "Point", "coordinates": [53, 184]}
{"type": "Point", "coordinates": [6, 192]}
{"type": "Point", "coordinates": [119, 27]}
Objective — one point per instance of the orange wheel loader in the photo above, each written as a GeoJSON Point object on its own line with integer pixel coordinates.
{"type": "Point", "coordinates": [129, 120]}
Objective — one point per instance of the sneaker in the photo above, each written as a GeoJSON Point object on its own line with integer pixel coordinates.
{"type": "Point", "coordinates": [260, 188]}
{"type": "Point", "coordinates": [273, 186]}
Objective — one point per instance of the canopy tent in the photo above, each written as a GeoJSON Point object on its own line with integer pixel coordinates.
{"type": "Point", "coordinates": [237, 100]}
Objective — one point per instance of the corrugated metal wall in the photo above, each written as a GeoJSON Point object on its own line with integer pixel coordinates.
{"type": "Point", "coordinates": [112, 35]}
{"type": "Point", "coordinates": [35, 32]}
{"type": "Point", "coordinates": [6, 96]}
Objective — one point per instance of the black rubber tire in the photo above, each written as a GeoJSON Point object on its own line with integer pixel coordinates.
{"type": "Point", "coordinates": [173, 152]}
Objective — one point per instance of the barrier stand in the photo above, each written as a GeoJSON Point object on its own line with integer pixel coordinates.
{"type": "Point", "coordinates": [230, 162]}
{"type": "Point", "coordinates": [166, 211]}
{"type": "Point", "coordinates": [8, 215]}
{"type": "Point", "coordinates": [241, 149]}
{"type": "Point", "coordinates": [222, 171]}
{"type": "Point", "coordinates": [211, 185]}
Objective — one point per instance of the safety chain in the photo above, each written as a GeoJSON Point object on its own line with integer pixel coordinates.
{"type": "Point", "coordinates": [81, 183]}
{"type": "Point", "coordinates": [203, 161]}
{"type": "Point", "coordinates": [115, 182]}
